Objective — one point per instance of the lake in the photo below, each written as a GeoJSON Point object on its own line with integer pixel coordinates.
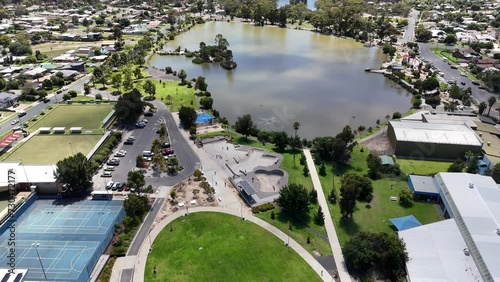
{"type": "Point", "coordinates": [286, 75]}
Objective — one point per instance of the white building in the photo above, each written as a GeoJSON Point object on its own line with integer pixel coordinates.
{"type": "Point", "coordinates": [40, 176]}
{"type": "Point", "coordinates": [465, 247]}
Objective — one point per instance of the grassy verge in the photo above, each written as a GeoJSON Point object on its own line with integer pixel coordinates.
{"type": "Point", "coordinates": [227, 247]}
{"type": "Point", "coordinates": [441, 53]}
{"type": "Point", "coordinates": [423, 167]}
{"type": "Point", "coordinates": [374, 216]}
{"type": "Point", "coordinates": [106, 272]}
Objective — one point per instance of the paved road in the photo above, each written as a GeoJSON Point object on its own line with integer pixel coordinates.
{"type": "Point", "coordinates": [144, 138]}
{"type": "Point", "coordinates": [453, 74]}
{"type": "Point", "coordinates": [329, 226]}
{"type": "Point", "coordinates": [140, 237]}
{"type": "Point", "coordinates": [410, 28]}
{"type": "Point", "coordinates": [40, 106]}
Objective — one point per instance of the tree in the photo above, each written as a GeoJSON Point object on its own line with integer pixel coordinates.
{"type": "Point", "coordinates": [187, 116]}
{"type": "Point", "coordinates": [139, 161]}
{"type": "Point", "coordinates": [450, 39]}
{"type": "Point", "coordinates": [422, 34]}
{"type": "Point", "coordinates": [406, 198]}
{"type": "Point", "coordinates": [206, 102]}
{"type": "Point", "coordinates": [182, 75]}
{"type": "Point", "coordinates": [244, 125]}
{"type": "Point", "coordinates": [491, 102]}
{"type": "Point", "coordinates": [199, 6]}
{"type": "Point", "coordinates": [116, 80]}
{"type": "Point", "coordinates": [368, 252]}
{"type": "Point", "coordinates": [129, 106]}
{"type": "Point", "coordinates": [354, 187]}
{"type": "Point", "coordinates": [294, 199]}
{"type": "Point", "coordinates": [495, 173]}
{"type": "Point", "coordinates": [138, 73]}
{"type": "Point", "coordinates": [86, 88]}
{"type": "Point", "coordinates": [162, 132]}
{"type": "Point", "coordinates": [135, 181]}
{"type": "Point", "coordinates": [150, 88]}
{"type": "Point", "coordinates": [456, 166]}
{"type": "Point", "coordinates": [319, 217]}
{"type": "Point", "coordinates": [342, 146]}
{"type": "Point", "coordinates": [482, 107]}
{"type": "Point", "coordinates": [76, 173]}
{"type": "Point", "coordinates": [374, 166]}
{"type": "Point", "coordinates": [5, 41]}
{"type": "Point", "coordinates": [295, 143]}
{"type": "Point", "coordinates": [135, 205]}
{"type": "Point", "coordinates": [389, 49]}
{"type": "Point", "coordinates": [472, 165]}
{"type": "Point", "coordinates": [73, 93]}
{"type": "Point", "coordinates": [281, 140]}
{"type": "Point", "coordinates": [159, 163]}
{"type": "Point", "coordinates": [200, 84]}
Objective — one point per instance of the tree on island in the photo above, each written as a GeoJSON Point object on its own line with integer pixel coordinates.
{"type": "Point", "coordinates": [76, 173]}
{"type": "Point", "coordinates": [187, 117]}
{"type": "Point", "coordinates": [244, 125]}
{"type": "Point", "coordinates": [136, 181]}
{"type": "Point", "coordinates": [216, 53]}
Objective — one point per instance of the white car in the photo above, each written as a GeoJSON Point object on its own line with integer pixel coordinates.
{"type": "Point", "coordinates": [109, 168]}
{"type": "Point", "coordinates": [109, 185]}
{"type": "Point", "coordinates": [16, 121]}
{"type": "Point", "coordinates": [463, 74]}
{"type": "Point", "coordinates": [121, 153]}
{"type": "Point", "coordinates": [131, 138]}
{"type": "Point", "coordinates": [145, 120]}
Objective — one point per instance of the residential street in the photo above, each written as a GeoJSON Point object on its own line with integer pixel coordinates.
{"type": "Point", "coordinates": [410, 29]}
{"type": "Point", "coordinates": [454, 74]}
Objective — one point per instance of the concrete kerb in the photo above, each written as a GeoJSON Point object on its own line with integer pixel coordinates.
{"type": "Point", "coordinates": [140, 266]}
{"type": "Point", "coordinates": [99, 144]}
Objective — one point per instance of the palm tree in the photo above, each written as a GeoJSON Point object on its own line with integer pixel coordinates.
{"type": "Point", "coordinates": [296, 126]}
{"type": "Point", "coordinates": [491, 102]}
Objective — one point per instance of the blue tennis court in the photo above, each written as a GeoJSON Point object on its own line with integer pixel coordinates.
{"type": "Point", "coordinates": [69, 238]}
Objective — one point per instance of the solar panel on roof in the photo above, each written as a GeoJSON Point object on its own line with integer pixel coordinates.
{"type": "Point", "coordinates": [6, 277]}
{"type": "Point", "coordinates": [18, 277]}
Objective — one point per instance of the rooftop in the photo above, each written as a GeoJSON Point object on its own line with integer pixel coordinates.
{"type": "Point", "coordinates": [423, 184]}
{"type": "Point", "coordinates": [436, 253]}
{"type": "Point", "coordinates": [435, 133]}
{"type": "Point", "coordinates": [28, 173]}
{"type": "Point", "coordinates": [474, 203]}
{"type": "Point", "coordinates": [450, 119]}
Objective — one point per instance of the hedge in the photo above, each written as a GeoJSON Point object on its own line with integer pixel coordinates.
{"type": "Point", "coordinates": [263, 208]}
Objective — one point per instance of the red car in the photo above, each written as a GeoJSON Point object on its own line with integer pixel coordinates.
{"type": "Point", "coordinates": [167, 151]}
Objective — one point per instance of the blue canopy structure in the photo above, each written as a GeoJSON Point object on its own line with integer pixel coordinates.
{"type": "Point", "coordinates": [405, 222]}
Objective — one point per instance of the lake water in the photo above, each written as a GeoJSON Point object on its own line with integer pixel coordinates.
{"type": "Point", "coordinates": [288, 75]}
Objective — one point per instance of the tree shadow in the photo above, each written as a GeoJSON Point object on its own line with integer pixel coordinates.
{"type": "Point", "coordinates": [349, 225]}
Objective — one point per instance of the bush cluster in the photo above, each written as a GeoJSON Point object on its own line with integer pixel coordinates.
{"type": "Point", "coordinates": [102, 153]}
{"type": "Point", "coordinates": [263, 208]}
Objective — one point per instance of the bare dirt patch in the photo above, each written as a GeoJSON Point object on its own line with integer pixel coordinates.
{"type": "Point", "coordinates": [186, 192]}
{"type": "Point", "coordinates": [379, 145]}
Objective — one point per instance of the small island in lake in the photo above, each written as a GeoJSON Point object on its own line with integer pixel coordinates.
{"type": "Point", "coordinates": [218, 53]}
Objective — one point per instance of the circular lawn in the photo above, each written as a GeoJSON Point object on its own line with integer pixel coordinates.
{"type": "Point", "coordinates": [222, 247]}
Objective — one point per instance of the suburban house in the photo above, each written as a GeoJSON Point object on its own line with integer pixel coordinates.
{"type": "Point", "coordinates": [7, 100]}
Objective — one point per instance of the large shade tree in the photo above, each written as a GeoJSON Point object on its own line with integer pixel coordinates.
{"type": "Point", "coordinates": [75, 173]}
{"type": "Point", "coordinates": [129, 106]}
{"type": "Point", "coordinates": [294, 198]}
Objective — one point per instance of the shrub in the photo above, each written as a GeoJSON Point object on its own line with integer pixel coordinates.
{"type": "Point", "coordinates": [322, 170]}
{"type": "Point", "coordinates": [263, 208]}
{"type": "Point", "coordinates": [197, 61]}
{"type": "Point", "coordinates": [106, 273]}
{"type": "Point", "coordinates": [405, 198]}
{"type": "Point", "coordinates": [273, 215]}
{"type": "Point", "coordinates": [73, 93]}
{"type": "Point", "coordinates": [98, 96]}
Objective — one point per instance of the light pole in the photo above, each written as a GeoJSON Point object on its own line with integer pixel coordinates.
{"type": "Point", "coordinates": [150, 245]}
{"type": "Point", "coordinates": [71, 147]}
{"type": "Point", "coordinates": [36, 245]}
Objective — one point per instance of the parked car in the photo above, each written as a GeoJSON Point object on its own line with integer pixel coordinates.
{"type": "Point", "coordinates": [128, 142]}
{"type": "Point", "coordinates": [461, 82]}
{"type": "Point", "coordinates": [451, 82]}
{"type": "Point", "coordinates": [149, 114]}
{"type": "Point", "coordinates": [140, 124]}
{"type": "Point", "coordinates": [109, 185]}
{"type": "Point", "coordinates": [463, 74]}
{"type": "Point", "coordinates": [46, 100]}
{"type": "Point", "coordinates": [131, 138]}
{"type": "Point", "coordinates": [114, 161]}
{"type": "Point", "coordinates": [167, 151]}
{"type": "Point", "coordinates": [121, 153]}
{"type": "Point", "coordinates": [109, 168]}
{"type": "Point", "coordinates": [115, 186]}
{"type": "Point", "coordinates": [107, 174]}
{"type": "Point", "coordinates": [14, 122]}
{"type": "Point", "coordinates": [120, 186]}
{"type": "Point", "coordinates": [145, 121]}
{"type": "Point", "coordinates": [475, 82]}
{"type": "Point", "coordinates": [454, 67]}
{"type": "Point", "coordinates": [21, 114]}
{"type": "Point", "coordinates": [165, 146]}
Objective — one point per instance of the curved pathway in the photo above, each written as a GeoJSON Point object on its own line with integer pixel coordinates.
{"type": "Point", "coordinates": [140, 265]}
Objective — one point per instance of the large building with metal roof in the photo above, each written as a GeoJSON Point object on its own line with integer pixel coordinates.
{"type": "Point", "coordinates": [467, 246]}
{"type": "Point", "coordinates": [432, 140]}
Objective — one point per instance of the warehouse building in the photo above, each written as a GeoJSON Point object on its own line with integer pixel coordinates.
{"type": "Point", "coordinates": [464, 247]}
{"type": "Point", "coordinates": [432, 140]}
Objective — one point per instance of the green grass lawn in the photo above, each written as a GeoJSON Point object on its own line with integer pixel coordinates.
{"type": "Point", "coordinates": [422, 167]}
{"type": "Point", "coordinates": [87, 116]}
{"type": "Point", "coordinates": [376, 216]}
{"type": "Point", "coordinates": [232, 250]}
{"type": "Point", "coordinates": [50, 148]}
{"type": "Point", "coordinates": [441, 53]}
{"type": "Point", "coordinates": [83, 98]}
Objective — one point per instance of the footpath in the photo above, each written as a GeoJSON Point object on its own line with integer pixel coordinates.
{"type": "Point", "coordinates": [330, 228]}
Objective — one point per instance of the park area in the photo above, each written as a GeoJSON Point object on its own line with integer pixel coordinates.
{"type": "Point", "coordinates": [374, 216]}
{"type": "Point", "coordinates": [51, 148]}
{"type": "Point", "coordinates": [215, 247]}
